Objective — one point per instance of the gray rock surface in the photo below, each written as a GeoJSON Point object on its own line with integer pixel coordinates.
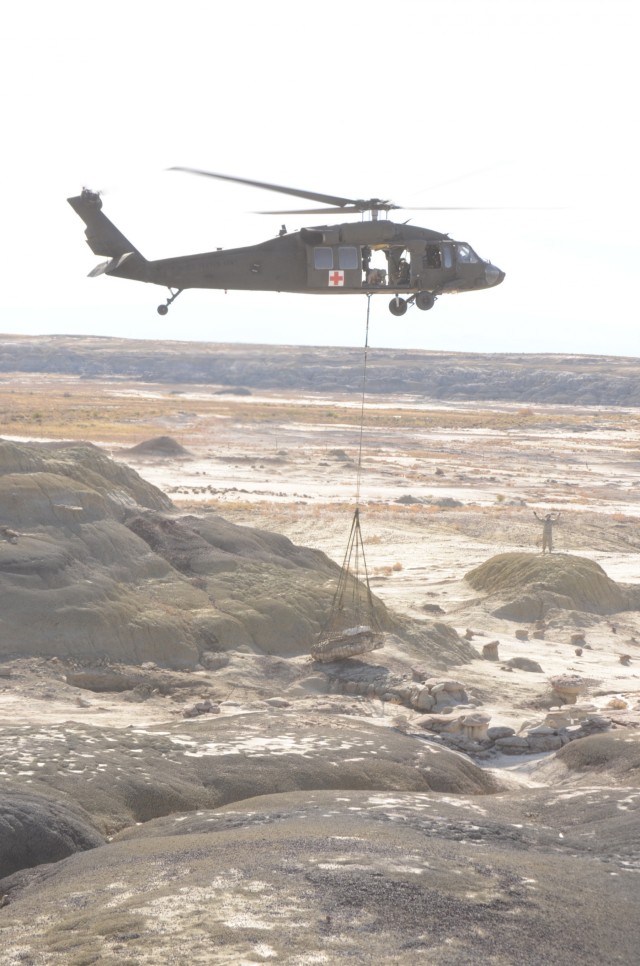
{"type": "Point", "coordinates": [35, 830]}
{"type": "Point", "coordinates": [349, 876]}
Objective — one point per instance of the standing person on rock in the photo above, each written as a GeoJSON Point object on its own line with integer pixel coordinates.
{"type": "Point", "coordinates": [547, 529]}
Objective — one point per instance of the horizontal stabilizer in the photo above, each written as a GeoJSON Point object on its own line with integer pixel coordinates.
{"type": "Point", "coordinates": [109, 267]}
{"type": "Point", "coordinates": [99, 269]}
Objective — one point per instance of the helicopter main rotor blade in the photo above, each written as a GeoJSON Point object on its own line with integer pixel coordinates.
{"type": "Point", "coordinates": [470, 208]}
{"type": "Point", "coordinates": [281, 189]}
{"type": "Point", "coordinates": [351, 210]}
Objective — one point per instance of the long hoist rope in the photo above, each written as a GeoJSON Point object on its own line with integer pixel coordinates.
{"type": "Point", "coordinates": [364, 390]}
{"type": "Point", "coordinates": [349, 589]}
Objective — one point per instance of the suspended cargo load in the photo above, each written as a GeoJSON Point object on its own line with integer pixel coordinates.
{"type": "Point", "coordinates": [353, 605]}
{"type": "Point", "coordinates": [339, 645]}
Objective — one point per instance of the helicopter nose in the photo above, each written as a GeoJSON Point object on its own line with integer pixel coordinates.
{"type": "Point", "coordinates": [493, 275]}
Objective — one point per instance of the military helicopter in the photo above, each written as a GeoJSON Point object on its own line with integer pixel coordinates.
{"type": "Point", "coordinates": [415, 264]}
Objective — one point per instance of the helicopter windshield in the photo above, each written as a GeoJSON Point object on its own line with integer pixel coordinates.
{"type": "Point", "coordinates": [466, 254]}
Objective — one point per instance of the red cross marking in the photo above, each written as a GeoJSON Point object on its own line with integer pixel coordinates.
{"type": "Point", "coordinates": [336, 278]}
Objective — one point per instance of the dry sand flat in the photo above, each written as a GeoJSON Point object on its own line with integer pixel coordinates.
{"type": "Point", "coordinates": [304, 819]}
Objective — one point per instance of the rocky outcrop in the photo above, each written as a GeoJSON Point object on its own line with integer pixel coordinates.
{"type": "Point", "coordinates": [103, 567]}
{"type": "Point", "coordinates": [35, 829]}
{"type": "Point", "coordinates": [526, 586]}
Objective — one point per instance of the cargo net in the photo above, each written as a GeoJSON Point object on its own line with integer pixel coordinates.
{"type": "Point", "coordinates": [353, 627]}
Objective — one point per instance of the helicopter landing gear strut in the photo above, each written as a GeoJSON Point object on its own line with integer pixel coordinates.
{"type": "Point", "coordinates": [398, 306]}
{"type": "Point", "coordinates": [163, 309]}
{"type": "Point", "coordinates": [424, 301]}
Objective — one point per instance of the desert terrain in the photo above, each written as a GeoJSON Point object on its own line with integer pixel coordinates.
{"type": "Point", "coordinates": [183, 782]}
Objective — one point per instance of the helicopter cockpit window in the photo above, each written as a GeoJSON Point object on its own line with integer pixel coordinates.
{"type": "Point", "coordinates": [466, 254]}
{"type": "Point", "coordinates": [323, 258]}
{"type": "Point", "coordinates": [347, 256]}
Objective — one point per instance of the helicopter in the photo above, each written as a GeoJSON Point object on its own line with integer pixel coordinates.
{"type": "Point", "coordinates": [374, 256]}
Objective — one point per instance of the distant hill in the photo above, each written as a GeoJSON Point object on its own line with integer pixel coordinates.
{"type": "Point", "coordinates": [571, 379]}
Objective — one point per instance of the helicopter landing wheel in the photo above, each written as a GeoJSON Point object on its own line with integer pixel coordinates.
{"type": "Point", "coordinates": [163, 309]}
{"type": "Point", "coordinates": [425, 300]}
{"type": "Point", "coordinates": [398, 306]}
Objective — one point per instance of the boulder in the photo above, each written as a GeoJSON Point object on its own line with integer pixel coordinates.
{"type": "Point", "coordinates": [490, 651]}
{"type": "Point", "coordinates": [475, 725]}
{"type": "Point", "coordinates": [524, 664]}
{"type": "Point", "coordinates": [567, 687]}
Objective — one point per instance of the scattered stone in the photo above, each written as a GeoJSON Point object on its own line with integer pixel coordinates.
{"type": "Point", "coordinates": [441, 723]}
{"type": "Point", "coordinates": [578, 638]}
{"type": "Point", "coordinates": [419, 674]}
{"type": "Point", "coordinates": [446, 692]}
{"type": "Point", "coordinates": [617, 704]}
{"type": "Point", "coordinates": [578, 652]}
{"type": "Point", "coordinates": [625, 659]}
{"type": "Point", "coordinates": [545, 742]}
{"type": "Point", "coordinates": [213, 661]}
{"type": "Point", "coordinates": [499, 731]}
{"type": "Point", "coordinates": [475, 725]}
{"type": "Point", "coordinates": [201, 707]}
{"type": "Point", "coordinates": [538, 635]}
{"type": "Point", "coordinates": [513, 745]}
{"type": "Point", "coordinates": [524, 664]}
{"type": "Point", "coordinates": [522, 635]}
{"type": "Point", "coordinates": [432, 609]}
{"type": "Point", "coordinates": [490, 651]}
{"type": "Point", "coordinates": [422, 700]}
{"type": "Point", "coordinates": [567, 687]}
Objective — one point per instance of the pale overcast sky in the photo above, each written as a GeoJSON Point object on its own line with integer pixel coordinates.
{"type": "Point", "coordinates": [460, 102]}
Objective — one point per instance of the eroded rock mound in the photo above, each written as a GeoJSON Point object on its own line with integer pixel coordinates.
{"type": "Point", "coordinates": [35, 830]}
{"type": "Point", "coordinates": [529, 585]}
{"type": "Point", "coordinates": [160, 446]}
{"type": "Point", "coordinates": [123, 776]}
{"type": "Point", "coordinates": [614, 755]}
{"type": "Point", "coordinates": [103, 567]}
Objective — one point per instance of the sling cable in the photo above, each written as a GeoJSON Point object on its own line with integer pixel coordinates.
{"type": "Point", "coordinates": [352, 627]}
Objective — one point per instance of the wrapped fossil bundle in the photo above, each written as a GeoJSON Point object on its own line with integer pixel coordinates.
{"type": "Point", "coordinates": [340, 645]}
